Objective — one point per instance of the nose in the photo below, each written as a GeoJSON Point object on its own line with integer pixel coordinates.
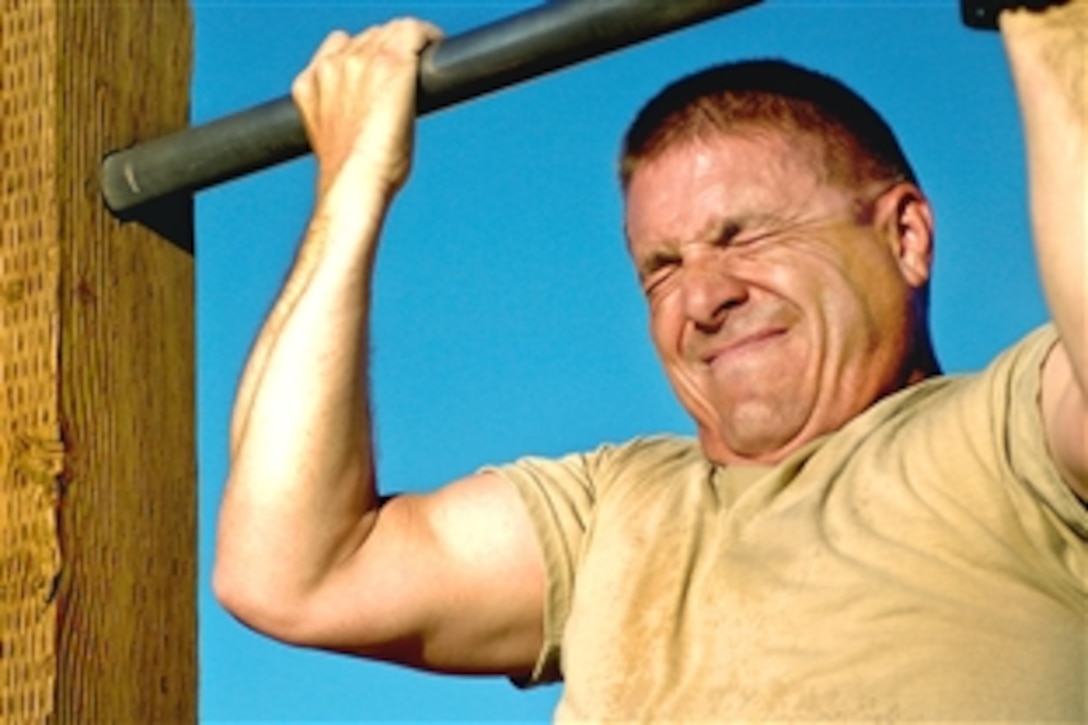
{"type": "Point", "coordinates": [710, 291]}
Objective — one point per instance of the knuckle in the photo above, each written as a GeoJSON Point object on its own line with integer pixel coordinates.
{"type": "Point", "coordinates": [408, 32]}
{"type": "Point", "coordinates": [302, 87]}
{"type": "Point", "coordinates": [332, 42]}
{"type": "Point", "coordinates": [355, 68]}
{"type": "Point", "coordinates": [365, 37]}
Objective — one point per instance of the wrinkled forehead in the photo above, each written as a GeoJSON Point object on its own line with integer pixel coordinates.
{"type": "Point", "coordinates": [695, 189]}
{"type": "Point", "coordinates": [758, 171]}
{"type": "Point", "coordinates": [826, 155]}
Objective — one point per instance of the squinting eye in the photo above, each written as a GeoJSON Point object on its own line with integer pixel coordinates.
{"type": "Point", "coordinates": [746, 240]}
{"type": "Point", "coordinates": [656, 279]}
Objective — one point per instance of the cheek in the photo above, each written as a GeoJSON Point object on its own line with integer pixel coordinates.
{"type": "Point", "coordinates": [791, 286]}
{"type": "Point", "coordinates": [839, 289]}
{"type": "Point", "coordinates": [665, 325]}
{"type": "Point", "coordinates": [859, 320]}
{"type": "Point", "coordinates": [876, 293]}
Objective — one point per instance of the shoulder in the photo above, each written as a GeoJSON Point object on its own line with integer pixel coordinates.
{"type": "Point", "coordinates": [977, 437]}
{"type": "Point", "coordinates": [998, 392]}
{"type": "Point", "coordinates": [579, 480]}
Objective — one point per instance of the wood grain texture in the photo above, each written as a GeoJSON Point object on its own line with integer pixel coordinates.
{"type": "Point", "coordinates": [97, 440]}
{"type": "Point", "coordinates": [127, 644]}
{"type": "Point", "coordinates": [30, 452]}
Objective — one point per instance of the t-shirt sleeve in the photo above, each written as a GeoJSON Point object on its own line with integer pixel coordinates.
{"type": "Point", "coordinates": [1025, 435]}
{"type": "Point", "coordinates": [559, 496]}
{"type": "Point", "coordinates": [562, 497]}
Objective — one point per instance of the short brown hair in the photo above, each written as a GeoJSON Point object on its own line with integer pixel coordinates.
{"type": "Point", "coordinates": [857, 144]}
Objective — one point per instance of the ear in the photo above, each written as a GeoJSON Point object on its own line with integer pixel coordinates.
{"type": "Point", "coordinates": [905, 218]}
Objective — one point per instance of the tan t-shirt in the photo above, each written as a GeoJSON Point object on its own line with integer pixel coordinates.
{"type": "Point", "coordinates": [925, 562]}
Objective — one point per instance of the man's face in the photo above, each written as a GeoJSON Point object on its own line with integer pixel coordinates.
{"type": "Point", "coordinates": [779, 303]}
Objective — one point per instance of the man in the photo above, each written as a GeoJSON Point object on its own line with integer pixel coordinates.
{"type": "Point", "coordinates": [850, 536]}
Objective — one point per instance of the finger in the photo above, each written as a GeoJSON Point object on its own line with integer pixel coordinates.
{"type": "Point", "coordinates": [333, 43]}
{"type": "Point", "coordinates": [364, 38]}
{"type": "Point", "coordinates": [418, 31]}
{"type": "Point", "coordinates": [303, 88]}
{"type": "Point", "coordinates": [432, 32]}
{"type": "Point", "coordinates": [408, 36]}
{"type": "Point", "coordinates": [324, 68]}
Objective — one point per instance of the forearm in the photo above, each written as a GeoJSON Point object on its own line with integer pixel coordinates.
{"type": "Point", "coordinates": [301, 498]}
{"type": "Point", "coordinates": [1048, 54]}
{"type": "Point", "coordinates": [310, 257]}
{"type": "Point", "coordinates": [301, 494]}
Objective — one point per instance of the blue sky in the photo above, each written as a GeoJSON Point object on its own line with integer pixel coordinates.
{"type": "Point", "coordinates": [507, 320]}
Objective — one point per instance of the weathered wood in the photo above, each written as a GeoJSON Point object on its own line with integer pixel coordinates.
{"type": "Point", "coordinates": [29, 415]}
{"type": "Point", "coordinates": [111, 439]}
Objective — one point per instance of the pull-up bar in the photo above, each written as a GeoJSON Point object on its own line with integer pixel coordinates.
{"type": "Point", "coordinates": [538, 41]}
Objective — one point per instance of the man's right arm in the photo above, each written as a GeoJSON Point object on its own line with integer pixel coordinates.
{"type": "Point", "coordinates": [1048, 56]}
{"type": "Point", "coordinates": [306, 551]}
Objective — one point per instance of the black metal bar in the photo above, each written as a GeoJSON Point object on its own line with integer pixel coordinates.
{"type": "Point", "coordinates": [518, 48]}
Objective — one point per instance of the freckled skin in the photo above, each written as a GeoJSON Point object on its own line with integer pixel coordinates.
{"type": "Point", "coordinates": [781, 306]}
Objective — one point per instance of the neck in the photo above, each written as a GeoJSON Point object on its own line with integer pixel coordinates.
{"type": "Point", "coordinates": [923, 363]}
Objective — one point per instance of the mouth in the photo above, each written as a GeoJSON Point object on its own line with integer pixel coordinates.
{"type": "Point", "coordinates": [743, 345]}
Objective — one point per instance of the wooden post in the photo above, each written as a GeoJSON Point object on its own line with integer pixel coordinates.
{"type": "Point", "coordinates": [97, 440]}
